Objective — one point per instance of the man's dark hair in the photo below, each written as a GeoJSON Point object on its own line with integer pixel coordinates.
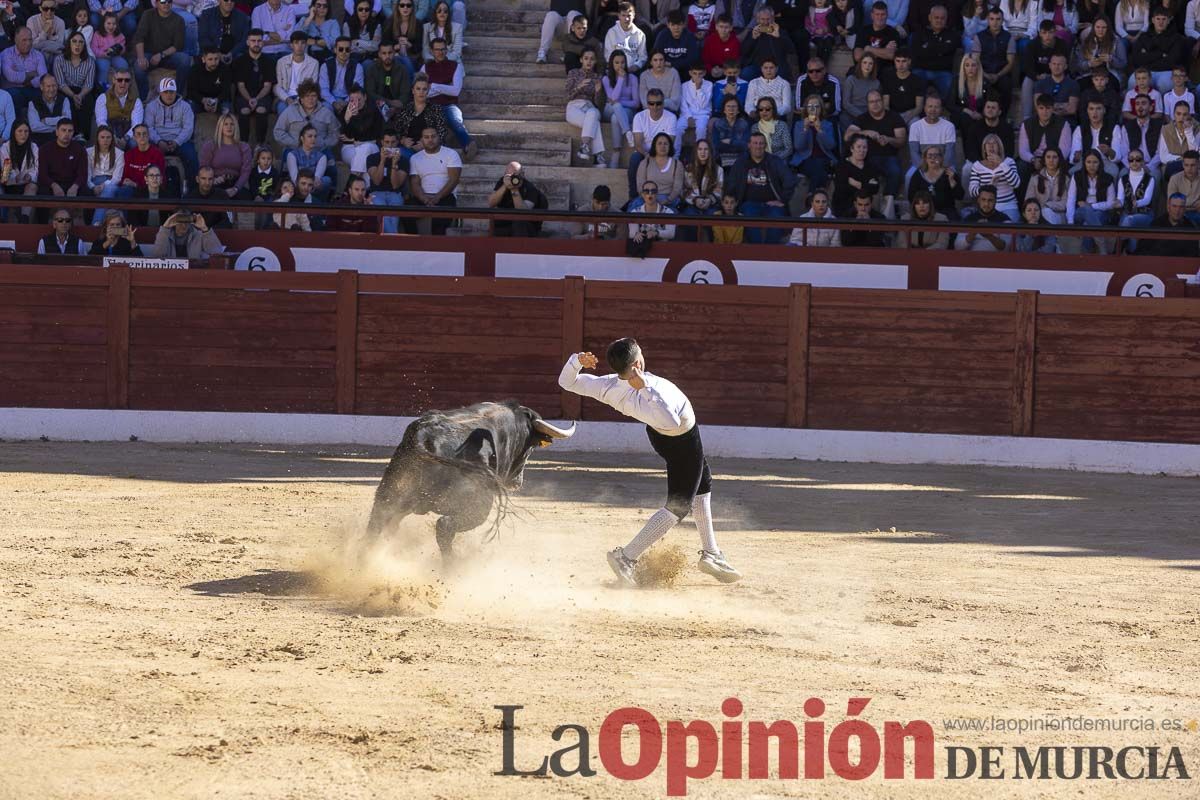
{"type": "Point", "coordinates": [254, 32]}
{"type": "Point", "coordinates": [621, 355]}
{"type": "Point", "coordinates": [862, 194]}
{"type": "Point", "coordinates": [1192, 154]}
{"type": "Point", "coordinates": [902, 52]}
{"type": "Point", "coordinates": [298, 36]}
{"type": "Point", "coordinates": [675, 17]}
{"type": "Point", "coordinates": [210, 50]}
{"type": "Point", "coordinates": [725, 18]}
{"type": "Point", "coordinates": [879, 5]}
{"type": "Point", "coordinates": [306, 173]}
{"type": "Point", "coordinates": [989, 189]}
{"type": "Point", "coordinates": [1046, 25]}
{"type": "Point", "coordinates": [1045, 101]}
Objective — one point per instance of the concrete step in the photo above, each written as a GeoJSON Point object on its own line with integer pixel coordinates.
{"type": "Point", "coordinates": [550, 84]}
{"type": "Point", "coordinates": [501, 6]}
{"type": "Point", "coordinates": [507, 23]}
{"type": "Point", "coordinates": [533, 130]}
{"type": "Point", "coordinates": [500, 66]}
{"type": "Point", "coordinates": [515, 97]}
{"type": "Point", "coordinates": [512, 49]}
{"type": "Point", "coordinates": [493, 154]}
{"type": "Point", "coordinates": [528, 112]}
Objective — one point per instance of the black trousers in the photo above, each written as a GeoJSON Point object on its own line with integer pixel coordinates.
{"type": "Point", "coordinates": [687, 468]}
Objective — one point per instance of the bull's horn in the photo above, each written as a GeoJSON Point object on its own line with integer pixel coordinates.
{"type": "Point", "coordinates": [551, 430]}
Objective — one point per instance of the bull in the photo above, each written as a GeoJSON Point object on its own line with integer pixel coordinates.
{"type": "Point", "coordinates": [459, 465]}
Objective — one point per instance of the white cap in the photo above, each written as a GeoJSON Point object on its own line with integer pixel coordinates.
{"type": "Point", "coordinates": [167, 85]}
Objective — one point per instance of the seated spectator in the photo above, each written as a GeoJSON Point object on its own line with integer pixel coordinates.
{"type": "Point", "coordinates": [155, 188]}
{"type": "Point", "coordinates": [987, 214]}
{"type": "Point", "coordinates": [643, 234]}
{"type": "Point", "coordinates": [814, 143]}
{"type": "Point", "coordinates": [1049, 187]}
{"type": "Point", "coordinates": [992, 123]}
{"type": "Point", "coordinates": [600, 203]}
{"type": "Point", "coordinates": [575, 41]}
{"type": "Point", "coordinates": [388, 81]}
{"type": "Point", "coordinates": [75, 72]}
{"type": "Point", "coordinates": [1100, 47]}
{"type": "Point", "coordinates": [339, 75]}
{"type": "Point", "coordinates": [1185, 182]}
{"type": "Point", "coordinates": [933, 50]}
{"type": "Point", "coordinates": [62, 164]}
{"type": "Point", "coordinates": [701, 17]}
{"type": "Point", "coordinates": [185, 235]}
{"type": "Point", "coordinates": [718, 50]}
{"type": "Point", "coordinates": [779, 138]}
{"type": "Point", "coordinates": [1035, 63]}
{"type": "Point", "coordinates": [731, 86]}
{"type": "Point", "coordinates": [19, 174]}
{"type": "Point", "coordinates": [585, 95]}
{"type": "Point", "coordinates": [1091, 197]}
{"type": "Point", "coordinates": [1106, 139]}
{"type": "Point", "coordinates": [1031, 214]}
{"type": "Point", "coordinates": [766, 41]}
{"type": "Point", "coordinates": [817, 237]}
{"type": "Point", "coordinates": [931, 129]}
{"type": "Point", "coordinates": [729, 132]}
{"type": "Point", "coordinates": [878, 37]}
{"type": "Point", "coordinates": [119, 108]}
{"type": "Point", "coordinates": [660, 76]}
{"type": "Point", "coordinates": [1136, 195]}
{"type": "Point", "coordinates": [1142, 85]}
{"type": "Point", "coordinates": [305, 186]}
{"type": "Point", "coordinates": [141, 156]}
{"type": "Point", "coordinates": [106, 170]}
{"type": "Point", "coordinates": [61, 241]}
{"type": "Point", "coordinates": [1176, 219]}
{"type": "Point", "coordinates": [434, 173]}
{"type": "Point", "coordinates": [445, 85]}
{"type": "Point", "coordinates": [557, 22]}
{"type": "Point", "coordinates": [1177, 139]}
{"type": "Point", "coordinates": [309, 156]}
{"type": "Point", "coordinates": [361, 127]}
{"type": "Point", "coordinates": [628, 38]}
{"type": "Point", "coordinates": [817, 81]}
{"type": "Point", "coordinates": [292, 70]}
{"type": "Point", "coordinates": [263, 183]}
{"type": "Point", "coordinates": [322, 30]}
{"type": "Point", "coordinates": [1144, 133]}
{"type": "Point", "coordinates": [663, 170]}
{"type": "Point", "coordinates": [695, 108]}
{"type": "Point", "coordinates": [1180, 91]}
{"type": "Point", "coordinates": [1159, 50]}
{"type": "Point", "coordinates": [855, 89]}
{"type": "Point", "coordinates": [276, 20]}
{"type": "Point", "coordinates": [172, 124]}
{"type": "Point", "coordinates": [772, 86]}
{"type": "Point", "coordinates": [46, 110]}
{"type": "Point", "coordinates": [515, 190]}
{"type": "Point", "coordinates": [206, 190]}
{"type": "Point", "coordinates": [855, 175]}
{"type": "Point", "coordinates": [1040, 132]}
{"type": "Point", "coordinates": [864, 210]}
{"type": "Point", "coordinates": [441, 27]}
{"type": "Point", "coordinates": [728, 234]}
{"type": "Point", "coordinates": [117, 238]}
{"type": "Point", "coordinates": [1062, 89]}
{"type": "Point", "coordinates": [965, 104]}
{"type": "Point", "coordinates": [228, 157]}
{"type": "Point", "coordinates": [211, 88]}
{"type": "Point", "coordinates": [108, 47]}
{"type": "Point", "coordinates": [226, 29]}
{"type": "Point", "coordinates": [938, 180]}
{"type": "Point", "coordinates": [22, 69]}
{"type": "Point", "coordinates": [997, 170]}
{"type": "Point", "coordinates": [418, 115]}
{"type": "Point", "coordinates": [364, 28]}
{"type": "Point", "coordinates": [886, 133]}
{"type": "Point", "coordinates": [902, 89]}
{"type": "Point", "coordinates": [309, 112]}
{"type": "Point", "coordinates": [49, 31]}
{"type": "Point", "coordinates": [922, 210]}
{"type": "Point", "coordinates": [647, 125]}
{"type": "Point", "coordinates": [678, 45]}
{"type": "Point", "coordinates": [762, 185]}
{"type": "Point", "coordinates": [703, 184]}
{"type": "Point", "coordinates": [1100, 86]}
{"type": "Point", "coordinates": [355, 195]}
{"type": "Point", "coordinates": [996, 49]}
{"type": "Point", "coordinates": [253, 82]}
{"type": "Point", "coordinates": [387, 171]}
{"type": "Point", "coordinates": [621, 103]}
{"type": "Point", "coordinates": [159, 43]}
{"type": "Point", "coordinates": [287, 220]}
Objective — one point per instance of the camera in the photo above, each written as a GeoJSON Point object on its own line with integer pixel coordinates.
{"type": "Point", "coordinates": [515, 181]}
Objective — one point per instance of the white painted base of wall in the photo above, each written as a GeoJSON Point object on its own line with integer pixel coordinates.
{"type": "Point", "coordinates": [615, 437]}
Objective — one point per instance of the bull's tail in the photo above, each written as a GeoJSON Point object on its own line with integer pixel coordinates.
{"type": "Point", "coordinates": [490, 478]}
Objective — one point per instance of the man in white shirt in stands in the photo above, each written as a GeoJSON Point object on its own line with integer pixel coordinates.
{"type": "Point", "coordinates": [294, 69]}
{"type": "Point", "coordinates": [1108, 138]}
{"type": "Point", "coordinates": [433, 176]}
{"type": "Point", "coordinates": [932, 129]}
{"type": "Point", "coordinates": [674, 435]}
{"type": "Point", "coordinates": [648, 123]}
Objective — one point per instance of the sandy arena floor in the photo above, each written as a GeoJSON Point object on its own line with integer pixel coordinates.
{"type": "Point", "coordinates": [175, 622]}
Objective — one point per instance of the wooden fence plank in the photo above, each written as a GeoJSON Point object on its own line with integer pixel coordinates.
{"type": "Point", "coordinates": [574, 302]}
{"type": "Point", "coordinates": [799, 306]}
{"type": "Point", "coordinates": [347, 339]}
{"type": "Point", "coordinates": [117, 379]}
{"type": "Point", "coordinates": [1024, 362]}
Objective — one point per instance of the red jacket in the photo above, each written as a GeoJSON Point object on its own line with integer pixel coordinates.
{"type": "Point", "coordinates": [136, 163]}
{"type": "Point", "coordinates": [715, 52]}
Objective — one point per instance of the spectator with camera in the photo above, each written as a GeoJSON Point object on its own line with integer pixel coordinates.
{"type": "Point", "coordinates": [117, 237]}
{"type": "Point", "coordinates": [185, 235]}
{"type": "Point", "coordinates": [514, 190]}
{"type": "Point", "coordinates": [387, 172]}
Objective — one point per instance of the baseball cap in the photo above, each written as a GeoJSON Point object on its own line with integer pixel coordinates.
{"type": "Point", "coordinates": [167, 85]}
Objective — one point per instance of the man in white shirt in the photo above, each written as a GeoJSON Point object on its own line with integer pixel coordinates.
{"type": "Point", "coordinates": [627, 37]}
{"type": "Point", "coordinates": [648, 123]}
{"type": "Point", "coordinates": [769, 85]}
{"type": "Point", "coordinates": [292, 70]}
{"type": "Point", "coordinates": [671, 426]}
{"type": "Point", "coordinates": [932, 129]}
{"type": "Point", "coordinates": [276, 21]}
{"type": "Point", "coordinates": [1109, 139]}
{"type": "Point", "coordinates": [433, 176]}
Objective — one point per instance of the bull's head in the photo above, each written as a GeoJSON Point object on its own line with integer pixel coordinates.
{"type": "Point", "coordinates": [540, 434]}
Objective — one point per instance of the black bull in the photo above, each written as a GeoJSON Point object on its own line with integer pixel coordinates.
{"type": "Point", "coordinates": [459, 464]}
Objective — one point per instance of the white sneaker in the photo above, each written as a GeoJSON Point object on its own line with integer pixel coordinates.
{"type": "Point", "coordinates": [541, 57]}
{"type": "Point", "coordinates": [716, 565]}
{"type": "Point", "coordinates": [585, 152]}
{"type": "Point", "coordinates": [622, 565]}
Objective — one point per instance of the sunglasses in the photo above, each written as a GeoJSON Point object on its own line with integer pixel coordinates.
{"type": "Point", "coordinates": [120, 80]}
{"type": "Point", "coordinates": [763, 108]}
{"type": "Point", "coordinates": [341, 50]}
{"type": "Point", "coordinates": [815, 71]}
{"type": "Point", "coordinates": [1135, 159]}
{"type": "Point", "coordinates": [649, 191]}
{"type": "Point", "coordinates": [652, 103]}
{"type": "Point", "coordinates": [62, 219]}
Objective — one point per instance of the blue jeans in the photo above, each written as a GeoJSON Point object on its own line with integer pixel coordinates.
{"type": "Point", "coordinates": [816, 169]}
{"type": "Point", "coordinates": [110, 191]}
{"type": "Point", "coordinates": [942, 80]}
{"type": "Point", "coordinates": [890, 167]}
{"type": "Point", "coordinates": [180, 62]}
{"type": "Point", "coordinates": [390, 224]}
{"type": "Point", "coordinates": [454, 120]}
{"type": "Point", "coordinates": [191, 31]}
{"type": "Point", "coordinates": [1136, 221]}
{"type": "Point", "coordinates": [187, 153]}
{"type": "Point", "coordinates": [764, 235]}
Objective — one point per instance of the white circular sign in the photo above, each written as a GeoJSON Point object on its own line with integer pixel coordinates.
{"type": "Point", "coordinates": [258, 258]}
{"type": "Point", "coordinates": [700, 272]}
{"type": "Point", "coordinates": [1144, 285]}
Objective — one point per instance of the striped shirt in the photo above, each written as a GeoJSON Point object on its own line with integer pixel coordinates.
{"type": "Point", "coordinates": [1004, 177]}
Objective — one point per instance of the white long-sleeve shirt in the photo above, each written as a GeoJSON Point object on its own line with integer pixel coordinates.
{"type": "Point", "coordinates": [1086, 138]}
{"type": "Point", "coordinates": [452, 89]}
{"type": "Point", "coordinates": [696, 103]}
{"type": "Point", "coordinates": [777, 89]}
{"type": "Point", "coordinates": [661, 404]}
{"type": "Point", "coordinates": [632, 42]}
{"type": "Point", "coordinates": [1106, 203]}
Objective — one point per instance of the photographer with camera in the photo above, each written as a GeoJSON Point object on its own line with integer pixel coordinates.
{"type": "Point", "coordinates": [118, 238]}
{"type": "Point", "coordinates": [514, 190]}
{"type": "Point", "coordinates": [388, 171]}
{"type": "Point", "coordinates": [185, 235]}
